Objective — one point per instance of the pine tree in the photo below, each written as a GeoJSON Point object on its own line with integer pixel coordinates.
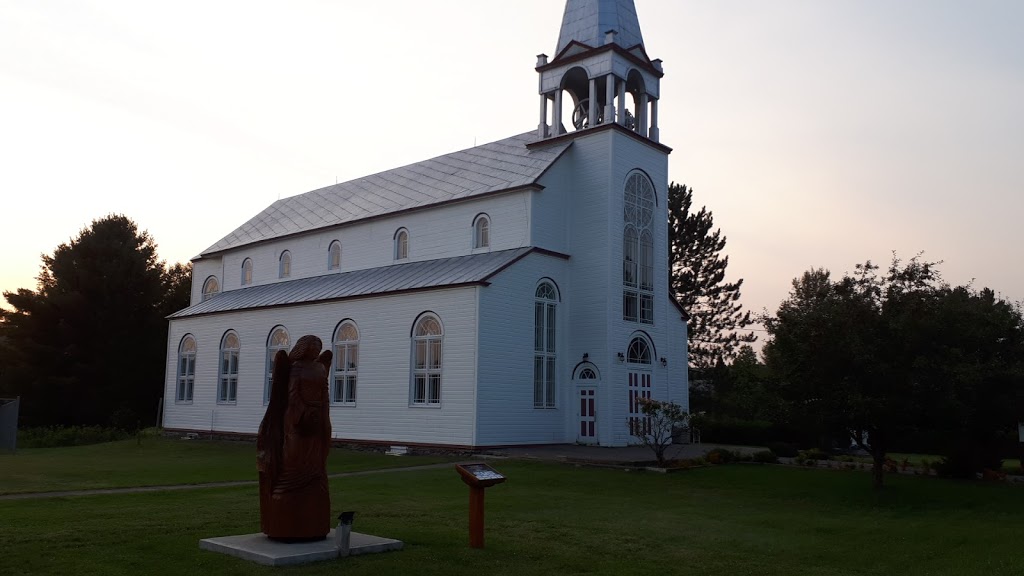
{"type": "Point", "coordinates": [697, 280]}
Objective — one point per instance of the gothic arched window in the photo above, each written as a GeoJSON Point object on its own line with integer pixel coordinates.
{"type": "Point", "coordinates": [346, 363]}
{"type": "Point", "coordinates": [210, 288]}
{"type": "Point", "coordinates": [284, 265]}
{"type": "Point", "coordinates": [544, 345]}
{"type": "Point", "coordinates": [247, 272]}
{"type": "Point", "coordinates": [638, 250]}
{"type": "Point", "coordinates": [278, 340]}
{"type": "Point", "coordinates": [227, 381]}
{"type": "Point", "coordinates": [334, 256]}
{"type": "Point", "coordinates": [186, 369]}
{"type": "Point", "coordinates": [427, 360]}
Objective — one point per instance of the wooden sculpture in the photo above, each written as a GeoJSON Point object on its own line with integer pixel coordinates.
{"type": "Point", "coordinates": [292, 446]}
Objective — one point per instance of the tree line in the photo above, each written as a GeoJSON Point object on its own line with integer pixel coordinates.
{"type": "Point", "coordinates": [88, 345]}
{"type": "Point", "coordinates": [876, 360]}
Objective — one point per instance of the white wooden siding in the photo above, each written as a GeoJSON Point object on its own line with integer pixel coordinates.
{"type": "Point", "coordinates": [441, 232]}
{"type": "Point", "coordinates": [505, 412]}
{"type": "Point", "coordinates": [382, 411]}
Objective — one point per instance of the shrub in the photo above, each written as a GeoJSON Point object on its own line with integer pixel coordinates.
{"type": "Point", "coordinates": [720, 456]}
{"type": "Point", "coordinates": [53, 437]}
{"type": "Point", "coordinates": [814, 454]}
{"type": "Point", "coordinates": [765, 457]}
{"type": "Point", "coordinates": [783, 449]}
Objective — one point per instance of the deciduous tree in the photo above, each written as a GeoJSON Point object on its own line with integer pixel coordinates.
{"type": "Point", "coordinates": [88, 345]}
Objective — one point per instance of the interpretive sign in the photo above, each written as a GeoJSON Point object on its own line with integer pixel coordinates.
{"type": "Point", "coordinates": [477, 476]}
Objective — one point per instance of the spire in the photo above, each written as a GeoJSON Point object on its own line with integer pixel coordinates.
{"type": "Point", "coordinates": [588, 21]}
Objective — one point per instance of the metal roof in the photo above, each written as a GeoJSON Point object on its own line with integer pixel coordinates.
{"type": "Point", "coordinates": [427, 274]}
{"type": "Point", "coordinates": [502, 165]}
{"type": "Point", "coordinates": [587, 22]}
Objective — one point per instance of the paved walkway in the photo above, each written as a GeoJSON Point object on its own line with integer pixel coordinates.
{"type": "Point", "coordinates": [626, 455]}
{"type": "Point", "coordinates": [567, 453]}
{"type": "Point", "coordinates": [171, 487]}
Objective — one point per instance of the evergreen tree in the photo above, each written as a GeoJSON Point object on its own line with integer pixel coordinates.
{"type": "Point", "coordinates": [697, 280]}
{"type": "Point", "coordinates": [88, 345]}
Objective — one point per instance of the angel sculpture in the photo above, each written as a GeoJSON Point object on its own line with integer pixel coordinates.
{"type": "Point", "coordinates": [292, 446]}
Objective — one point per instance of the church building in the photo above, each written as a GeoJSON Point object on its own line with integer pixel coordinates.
{"type": "Point", "coordinates": [512, 293]}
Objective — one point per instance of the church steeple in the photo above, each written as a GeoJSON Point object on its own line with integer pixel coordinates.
{"type": "Point", "coordinates": [602, 65]}
{"type": "Point", "coordinates": [587, 22]}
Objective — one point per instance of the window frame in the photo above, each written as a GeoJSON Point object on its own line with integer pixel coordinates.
{"type": "Point", "coordinates": [432, 369]}
{"type": "Point", "coordinates": [227, 369]}
{"type": "Point", "coordinates": [481, 232]}
{"type": "Point", "coordinates": [332, 262]}
{"type": "Point", "coordinates": [545, 345]}
{"type": "Point", "coordinates": [185, 381]}
{"type": "Point", "coordinates": [284, 264]}
{"type": "Point", "coordinates": [209, 292]}
{"type": "Point", "coordinates": [640, 201]}
{"type": "Point", "coordinates": [345, 351]}
{"type": "Point", "coordinates": [401, 248]}
{"type": "Point", "coordinates": [272, 349]}
{"type": "Point", "coordinates": [247, 272]}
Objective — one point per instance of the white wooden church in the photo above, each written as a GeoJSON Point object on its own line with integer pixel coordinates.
{"type": "Point", "coordinates": [512, 293]}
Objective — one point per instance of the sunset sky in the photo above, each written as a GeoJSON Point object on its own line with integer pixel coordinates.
{"type": "Point", "coordinates": [819, 133]}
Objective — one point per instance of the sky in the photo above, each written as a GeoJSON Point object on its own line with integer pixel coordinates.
{"type": "Point", "coordinates": [819, 134]}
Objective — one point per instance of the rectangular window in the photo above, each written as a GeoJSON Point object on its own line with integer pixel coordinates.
{"type": "Point", "coordinates": [629, 305]}
{"type": "Point", "coordinates": [345, 366]}
{"type": "Point", "coordinates": [227, 391]}
{"type": "Point", "coordinates": [647, 308]}
{"type": "Point", "coordinates": [186, 378]}
{"type": "Point", "coordinates": [544, 355]}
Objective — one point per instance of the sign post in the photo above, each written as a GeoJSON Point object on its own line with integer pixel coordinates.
{"type": "Point", "coordinates": [477, 476]}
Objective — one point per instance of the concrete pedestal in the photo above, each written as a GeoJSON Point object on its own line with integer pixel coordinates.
{"type": "Point", "coordinates": [262, 550]}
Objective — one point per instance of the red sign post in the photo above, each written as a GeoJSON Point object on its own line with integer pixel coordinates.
{"type": "Point", "coordinates": [477, 476]}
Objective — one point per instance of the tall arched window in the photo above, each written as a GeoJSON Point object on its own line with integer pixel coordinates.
{"type": "Point", "coordinates": [186, 369]}
{"type": "Point", "coordinates": [278, 340]}
{"type": "Point", "coordinates": [426, 360]}
{"type": "Point", "coordinates": [544, 338]}
{"type": "Point", "coordinates": [247, 272]}
{"type": "Point", "coordinates": [210, 288]}
{"type": "Point", "coordinates": [334, 256]}
{"type": "Point", "coordinates": [227, 387]}
{"type": "Point", "coordinates": [346, 363]}
{"type": "Point", "coordinates": [401, 244]}
{"type": "Point", "coordinates": [284, 265]}
{"type": "Point", "coordinates": [638, 250]}
{"type": "Point", "coordinates": [482, 231]}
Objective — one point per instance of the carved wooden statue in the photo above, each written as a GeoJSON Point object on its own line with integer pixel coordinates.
{"type": "Point", "coordinates": [292, 446]}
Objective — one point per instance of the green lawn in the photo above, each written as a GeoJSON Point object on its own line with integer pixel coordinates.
{"type": "Point", "coordinates": [158, 461]}
{"type": "Point", "coordinates": [556, 519]}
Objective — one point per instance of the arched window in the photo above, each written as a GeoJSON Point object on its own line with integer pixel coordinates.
{"type": "Point", "coordinates": [227, 387]}
{"type": "Point", "coordinates": [587, 374]}
{"type": "Point", "coordinates": [482, 232]}
{"type": "Point", "coordinates": [401, 244]}
{"type": "Point", "coordinates": [544, 339]}
{"type": "Point", "coordinates": [426, 360]}
{"type": "Point", "coordinates": [186, 369]}
{"type": "Point", "coordinates": [638, 250]}
{"type": "Point", "coordinates": [210, 288]}
{"type": "Point", "coordinates": [247, 272]}
{"type": "Point", "coordinates": [278, 340]}
{"type": "Point", "coordinates": [284, 265]}
{"type": "Point", "coordinates": [639, 352]}
{"type": "Point", "coordinates": [334, 256]}
{"type": "Point", "coordinates": [346, 363]}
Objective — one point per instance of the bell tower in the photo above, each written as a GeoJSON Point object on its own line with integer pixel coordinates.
{"type": "Point", "coordinates": [601, 66]}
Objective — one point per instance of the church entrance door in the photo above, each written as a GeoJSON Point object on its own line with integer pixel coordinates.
{"type": "Point", "coordinates": [587, 415]}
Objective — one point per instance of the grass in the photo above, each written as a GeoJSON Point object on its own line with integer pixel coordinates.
{"type": "Point", "coordinates": [158, 461]}
{"type": "Point", "coordinates": [555, 519]}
